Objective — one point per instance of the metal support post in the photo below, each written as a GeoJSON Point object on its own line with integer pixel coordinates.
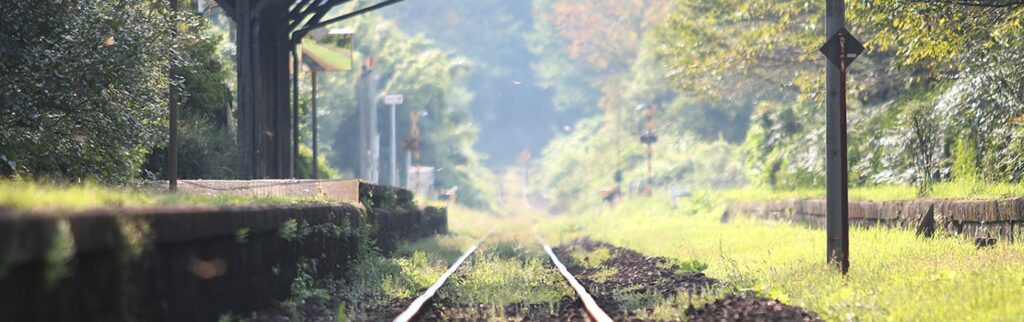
{"type": "Point", "coordinates": [295, 111]}
{"type": "Point", "coordinates": [316, 175]}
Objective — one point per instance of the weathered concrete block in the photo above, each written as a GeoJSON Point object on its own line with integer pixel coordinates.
{"type": "Point", "coordinates": [182, 263]}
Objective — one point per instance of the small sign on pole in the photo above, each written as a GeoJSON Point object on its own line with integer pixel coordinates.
{"type": "Point", "coordinates": [393, 99]}
{"type": "Point", "coordinates": [839, 42]}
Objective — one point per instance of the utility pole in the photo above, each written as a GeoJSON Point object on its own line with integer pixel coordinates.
{"type": "Point", "coordinates": [393, 100]}
{"type": "Point", "coordinates": [172, 102]}
{"type": "Point", "coordinates": [648, 139]}
{"type": "Point", "coordinates": [369, 139]}
{"type": "Point", "coordinates": [840, 50]}
{"type": "Point", "coordinates": [836, 197]}
{"type": "Point", "coordinates": [618, 151]}
{"type": "Point", "coordinates": [412, 146]}
{"type": "Point", "coordinates": [394, 149]}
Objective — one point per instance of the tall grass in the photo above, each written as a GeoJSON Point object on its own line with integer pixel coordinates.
{"type": "Point", "coordinates": [894, 275]}
{"type": "Point", "coordinates": [23, 195]}
{"type": "Point", "coordinates": [956, 189]}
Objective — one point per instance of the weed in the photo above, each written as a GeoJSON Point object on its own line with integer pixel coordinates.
{"type": "Point", "coordinates": [59, 254]}
{"type": "Point", "coordinates": [242, 235]}
{"type": "Point", "coordinates": [289, 230]}
{"type": "Point", "coordinates": [894, 275]}
{"type": "Point", "coordinates": [23, 195]}
{"type": "Point", "coordinates": [340, 315]}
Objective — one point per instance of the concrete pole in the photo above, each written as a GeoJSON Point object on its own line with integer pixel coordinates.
{"type": "Point", "coordinates": [837, 222]}
{"type": "Point", "coordinates": [394, 148]}
{"type": "Point", "coordinates": [172, 131]}
{"type": "Point", "coordinates": [369, 138]}
{"type": "Point", "coordinates": [374, 132]}
{"type": "Point", "coordinates": [316, 175]}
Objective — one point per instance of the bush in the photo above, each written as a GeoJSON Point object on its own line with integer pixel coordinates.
{"type": "Point", "coordinates": [304, 165]}
{"type": "Point", "coordinates": [204, 152]}
{"type": "Point", "coordinates": [84, 85]}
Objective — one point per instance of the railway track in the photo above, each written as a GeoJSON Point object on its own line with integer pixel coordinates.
{"type": "Point", "coordinates": [590, 307]}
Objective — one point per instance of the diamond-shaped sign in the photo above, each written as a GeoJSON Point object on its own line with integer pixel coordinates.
{"type": "Point", "coordinates": [832, 47]}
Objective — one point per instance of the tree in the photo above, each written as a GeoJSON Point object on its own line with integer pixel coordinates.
{"type": "Point", "coordinates": [431, 80]}
{"type": "Point", "coordinates": [84, 85]}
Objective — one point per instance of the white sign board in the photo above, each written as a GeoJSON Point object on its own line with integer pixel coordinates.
{"type": "Point", "coordinates": [393, 99]}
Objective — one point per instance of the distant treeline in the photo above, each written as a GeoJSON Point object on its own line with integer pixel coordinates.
{"type": "Point", "coordinates": [937, 96]}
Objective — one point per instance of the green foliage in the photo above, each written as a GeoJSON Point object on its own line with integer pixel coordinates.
{"type": "Point", "coordinates": [507, 97]}
{"type": "Point", "coordinates": [112, 121]}
{"type": "Point", "coordinates": [304, 165]}
{"type": "Point", "coordinates": [577, 167]}
{"type": "Point", "coordinates": [84, 86]}
{"type": "Point", "coordinates": [306, 286]}
{"type": "Point", "coordinates": [493, 279]}
{"type": "Point", "coordinates": [894, 274]}
{"type": "Point", "coordinates": [27, 195]}
{"type": "Point", "coordinates": [965, 167]}
{"type": "Point", "coordinates": [207, 148]}
{"type": "Point", "coordinates": [340, 315]}
{"type": "Point", "coordinates": [59, 254]}
{"type": "Point", "coordinates": [432, 81]}
{"type": "Point", "coordinates": [932, 73]}
{"type": "Point", "coordinates": [204, 152]}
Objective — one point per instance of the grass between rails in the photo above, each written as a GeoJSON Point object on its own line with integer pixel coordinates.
{"type": "Point", "coordinates": [962, 189]}
{"type": "Point", "coordinates": [506, 270]}
{"type": "Point", "coordinates": [894, 274]}
{"type": "Point", "coordinates": [23, 195]}
{"type": "Point", "coordinates": [509, 269]}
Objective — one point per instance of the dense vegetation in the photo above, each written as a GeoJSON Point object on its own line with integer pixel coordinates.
{"type": "Point", "coordinates": [84, 85]}
{"type": "Point", "coordinates": [937, 97]}
{"type": "Point", "coordinates": [736, 88]}
{"type": "Point", "coordinates": [85, 94]}
{"type": "Point", "coordinates": [894, 275]}
{"type": "Point", "coordinates": [432, 81]}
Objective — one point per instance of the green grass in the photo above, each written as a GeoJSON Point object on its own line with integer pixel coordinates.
{"type": "Point", "coordinates": [963, 189]}
{"type": "Point", "coordinates": [499, 277]}
{"type": "Point", "coordinates": [507, 269]}
{"type": "Point", "coordinates": [24, 195]}
{"type": "Point", "coordinates": [894, 275]}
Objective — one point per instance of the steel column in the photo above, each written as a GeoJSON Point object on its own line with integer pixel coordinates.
{"type": "Point", "coordinates": [312, 72]}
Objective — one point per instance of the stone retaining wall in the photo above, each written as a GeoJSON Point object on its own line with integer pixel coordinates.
{"type": "Point", "coordinates": [184, 263]}
{"type": "Point", "coordinates": [981, 219]}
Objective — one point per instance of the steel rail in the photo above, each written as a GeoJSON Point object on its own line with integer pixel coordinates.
{"type": "Point", "coordinates": [417, 304]}
{"type": "Point", "coordinates": [589, 305]}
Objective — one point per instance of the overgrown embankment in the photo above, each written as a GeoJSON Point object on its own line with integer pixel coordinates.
{"type": "Point", "coordinates": [631, 286]}
{"type": "Point", "coordinates": [189, 263]}
{"type": "Point", "coordinates": [894, 274]}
